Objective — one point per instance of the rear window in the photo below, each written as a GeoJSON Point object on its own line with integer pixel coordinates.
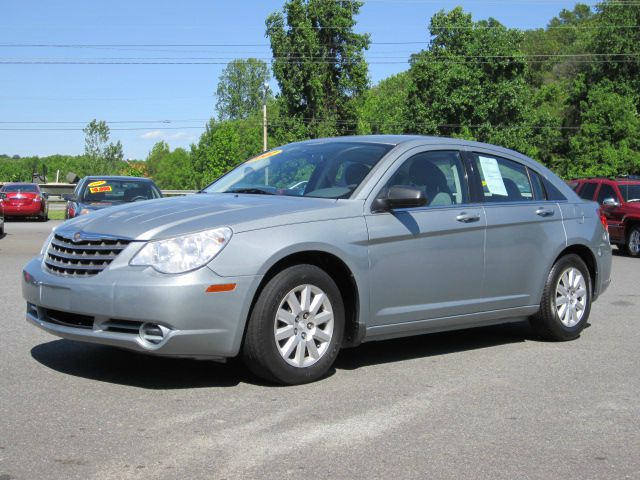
{"type": "Point", "coordinates": [20, 189]}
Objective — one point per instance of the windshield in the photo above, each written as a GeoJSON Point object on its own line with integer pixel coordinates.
{"type": "Point", "coordinates": [630, 192]}
{"type": "Point", "coordinates": [324, 170]}
{"type": "Point", "coordinates": [20, 189]}
{"type": "Point", "coordinates": [113, 191]}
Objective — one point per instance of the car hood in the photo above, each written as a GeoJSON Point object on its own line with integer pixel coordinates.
{"type": "Point", "coordinates": [168, 217]}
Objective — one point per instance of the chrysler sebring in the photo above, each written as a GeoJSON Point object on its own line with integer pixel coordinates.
{"type": "Point", "coordinates": [324, 244]}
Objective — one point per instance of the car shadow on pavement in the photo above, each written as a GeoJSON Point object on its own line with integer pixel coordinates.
{"type": "Point", "coordinates": [433, 344]}
{"type": "Point", "coordinates": [113, 365]}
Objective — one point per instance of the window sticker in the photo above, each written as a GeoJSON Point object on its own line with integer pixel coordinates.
{"type": "Point", "coordinates": [492, 176]}
{"type": "Point", "coordinates": [98, 183]}
{"type": "Point", "coordinates": [265, 155]}
{"type": "Point", "coordinates": [104, 188]}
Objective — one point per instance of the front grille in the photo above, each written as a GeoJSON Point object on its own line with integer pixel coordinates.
{"type": "Point", "coordinates": [83, 258]}
{"type": "Point", "coordinates": [69, 319]}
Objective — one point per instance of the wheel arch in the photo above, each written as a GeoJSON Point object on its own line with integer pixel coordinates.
{"type": "Point", "coordinates": [339, 271]}
{"type": "Point", "coordinates": [588, 257]}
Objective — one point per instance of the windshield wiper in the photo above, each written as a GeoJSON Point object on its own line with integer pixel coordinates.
{"type": "Point", "coordinates": [252, 190]}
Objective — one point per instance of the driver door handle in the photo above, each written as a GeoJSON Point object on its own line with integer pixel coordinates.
{"type": "Point", "coordinates": [465, 217]}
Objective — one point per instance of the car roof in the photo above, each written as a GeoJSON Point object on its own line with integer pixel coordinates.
{"type": "Point", "coordinates": [417, 140]}
{"type": "Point", "coordinates": [116, 177]}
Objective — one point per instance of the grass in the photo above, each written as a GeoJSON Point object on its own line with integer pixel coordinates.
{"type": "Point", "coordinates": [56, 214]}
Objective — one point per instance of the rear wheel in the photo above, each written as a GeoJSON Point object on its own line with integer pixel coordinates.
{"type": "Point", "coordinates": [633, 241]}
{"type": "Point", "coordinates": [566, 301]}
{"type": "Point", "coordinates": [296, 327]}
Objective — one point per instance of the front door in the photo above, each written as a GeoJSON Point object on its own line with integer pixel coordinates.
{"type": "Point", "coordinates": [427, 263]}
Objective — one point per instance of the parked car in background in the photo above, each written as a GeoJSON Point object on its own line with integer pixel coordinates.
{"type": "Point", "coordinates": [1, 221]}
{"type": "Point", "coordinates": [619, 200]}
{"type": "Point", "coordinates": [391, 236]}
{"type": "Point", "coordinates": [95, 193]}
{"type": "Point", "coordinates": [24, 200]}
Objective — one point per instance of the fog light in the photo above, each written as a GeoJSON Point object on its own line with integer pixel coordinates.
{"type": "Point", "coordinates": [153, 333]}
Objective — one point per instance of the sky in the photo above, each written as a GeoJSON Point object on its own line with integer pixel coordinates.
{"type": "Point", "coordinates": [144, 104]}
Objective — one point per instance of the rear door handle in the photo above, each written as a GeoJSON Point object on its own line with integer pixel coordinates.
{"type": "Point", "coordinates": [545, 212]}
{"type": "Point", "coordinates": [468, 217]}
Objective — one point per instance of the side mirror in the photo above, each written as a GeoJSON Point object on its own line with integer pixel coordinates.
{"type": "Point", "coordinates": [45, 195]}
{"type": "Point", "coordinates": [399, 196]}
{"type": "Point", "coordinates": [69, 197]}
{"type": "Point", "coordinates": [610, 202]}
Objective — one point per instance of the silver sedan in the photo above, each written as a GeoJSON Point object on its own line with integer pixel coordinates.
{"type": "Point", "coordinates": [379, 237]}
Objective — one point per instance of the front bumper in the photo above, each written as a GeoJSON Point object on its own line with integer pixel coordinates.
{"type": "Point", "coordinates": [116, 303]}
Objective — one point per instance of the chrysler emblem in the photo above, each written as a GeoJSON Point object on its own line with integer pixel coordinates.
{"type": "Point", "coordinates": [77, 237]}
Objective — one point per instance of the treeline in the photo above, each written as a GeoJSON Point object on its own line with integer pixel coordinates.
{"type": "Point", "coordinates": [567, 95]}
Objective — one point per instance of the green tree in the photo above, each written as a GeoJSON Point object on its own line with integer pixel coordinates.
{"type": "Point", "coordinates": [382, 108]}
{"type": "Point", "coordinates": [170, 170]}
{"type": "Point", "coordinates": [241, 88]}
{"type": "Point", "coordinates": [608, 142]}
{"type": "Point", "coordinates": [222, 146]}
{"type": "Point", "coordinates": [319, 62]}
{"type": "Point", "coordinates": [103, 156]}
{"type": "Point", "coordinates": [470, 82]}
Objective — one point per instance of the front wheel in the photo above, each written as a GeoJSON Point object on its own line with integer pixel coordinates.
{"type": "Point", "coordinates": [566, 301]}
{"type": "Point", "coordinates": [296, 327]}
{"type": "Point", "coordinates": [633, 241]}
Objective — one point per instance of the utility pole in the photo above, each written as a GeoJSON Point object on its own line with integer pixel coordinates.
{"type": "Point", "coordinates": [265, 90]}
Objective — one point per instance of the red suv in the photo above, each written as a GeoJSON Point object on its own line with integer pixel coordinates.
{"type": "Point", "coordinates": [619, 201]}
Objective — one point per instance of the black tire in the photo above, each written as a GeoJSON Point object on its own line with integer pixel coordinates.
{"type": "Point", "coordinates": [44, 217]}
{"type": "Point", "coordinates": [547, 323]}
{"type": "Point", "coordinates": [260, 350]}
{"type": "Point", "coordinates": [628, 248]}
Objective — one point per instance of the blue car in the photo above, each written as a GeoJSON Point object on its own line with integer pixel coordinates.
{"type": "Point", "coordinates": [95, 193]}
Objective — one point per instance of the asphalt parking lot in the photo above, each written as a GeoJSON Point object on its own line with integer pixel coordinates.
{"type": "Point", "coordinates": [484, 403]}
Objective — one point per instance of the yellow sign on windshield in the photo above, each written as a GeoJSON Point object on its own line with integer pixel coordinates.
{"type": "Point", "coordinates": [265, 155]}
{"type": "Point", "coordinates": [98, 183]}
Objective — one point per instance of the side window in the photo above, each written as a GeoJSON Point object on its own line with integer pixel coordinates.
{"type": "Point", "coordinates": [552, 191]}
{"type": "Point", "coordinates": [503, 180]}
{"type": "Point", "coordinates": [439, 174]}
{"type": "Point", "coordinates": [606, 191]}
{"type": "Point", "coordinates": [588, 190]}
{"type": "Point", "coordinates": [538, 189]}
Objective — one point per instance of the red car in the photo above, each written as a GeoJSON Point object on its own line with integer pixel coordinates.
{"type": "Point", "coordinates": [24, 200]}
{"type": "Point", "coordinates": [619, 201]}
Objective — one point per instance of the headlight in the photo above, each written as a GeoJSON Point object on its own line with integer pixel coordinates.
{"type": "Point", "coordinates": [183, 254]}
{"type": "Point", "coordinates": [46, 244]}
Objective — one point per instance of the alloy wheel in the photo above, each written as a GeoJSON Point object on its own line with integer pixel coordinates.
{"type": "Point", "coordinates": [571, 297]}
{"type": "Point", "coordinates": [303, 327]}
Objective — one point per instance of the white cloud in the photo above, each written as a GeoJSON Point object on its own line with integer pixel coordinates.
{"type": "Point", "coordinates": [159, 134]}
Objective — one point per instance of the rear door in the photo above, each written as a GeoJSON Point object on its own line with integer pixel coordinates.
{"type": "Point", "coordinates": [524, 230]}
